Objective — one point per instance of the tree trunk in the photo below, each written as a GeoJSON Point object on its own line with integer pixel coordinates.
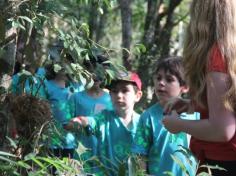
{"type": "Point", "coordinates": [101, 24]}
{"type": "Point", "coordinates": [157, 37]}
{"type": "Point", "coordinates": [8, 40]}
{"type": "Point", "coordinates": [163, 36]}
{"type": "Point", "coordinates": [93, 19]}
{"type": "Point", "coordinates": [126, 13]}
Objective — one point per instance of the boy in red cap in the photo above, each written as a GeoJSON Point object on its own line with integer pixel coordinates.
{"type": "Point", "coordinates": [115, 129]}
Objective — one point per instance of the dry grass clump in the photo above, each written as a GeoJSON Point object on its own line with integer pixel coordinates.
{"type": "Point", "coordinates": [29, 113]}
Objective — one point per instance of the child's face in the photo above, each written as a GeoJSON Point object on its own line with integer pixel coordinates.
{"type": "Point", "coordinates": [97, 81]}
{"type": "Point", "coordinates": [167, 86]}
{"type": "Point", "coordinates": [124, 96]}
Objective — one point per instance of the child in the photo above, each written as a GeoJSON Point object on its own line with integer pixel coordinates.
{"type": "Point", "coordinates": [62, 142]}
{"type": "Point", "coordinates": [152, 141]}
{"type": "Point", "coordinates": [115, 129]}
{"type": "Point", "coordinates": [89, 103]}
{"type": "Point", "coordinates": [209, 64]}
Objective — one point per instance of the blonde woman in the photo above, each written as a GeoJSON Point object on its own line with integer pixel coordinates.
{"type": "Point", "coordinates": [210, 69]}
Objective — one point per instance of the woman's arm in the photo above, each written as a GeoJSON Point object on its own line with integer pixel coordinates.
{"type": "Point", "coordinates": [220, 127]}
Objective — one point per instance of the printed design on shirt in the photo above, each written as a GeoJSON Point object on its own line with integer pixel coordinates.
{"type": "Point", "coordinates": [99, 108]}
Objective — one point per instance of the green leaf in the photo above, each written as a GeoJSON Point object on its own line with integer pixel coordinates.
{"type": "Point", "coordinates": [38, 162]}
{"type": "Point", "coordinates": [30, 156]}
{"type": "Point", "coordinates": [101, 10]}
{"type": "Point", "coordinates": [12, 143]}
{"type": "Point", "coordinates": [90, 84]}
{"type": "Point", "coordinates": [180, 163]}
{"type": "Point", "coordinates": [81, 149]}
{"type": "Point", "coordinates": [17, 24]}
{"type": "Point", "coordinates": [23, 164]}
{"type": "Point", "coordinates": [168, 173]}
{"type": "Point", "coordinates": [111, 73]}
{"type": "Point", "coordinates": [204, 174]}
{"type": "Point", "coordinates": [6, 154]}
{"type": "Point", "coordinates": [82, 79]}
{"type": "Point", "coordinates": [26, 19]}
{"type": "Point", "coordinates": [140, 48]}
{"type": "Point", "coordinates": [85, 28]}
{"type": "Point", "coordinates": [53, 161]}
{"type": "Point", "coordinates": [7, 160]}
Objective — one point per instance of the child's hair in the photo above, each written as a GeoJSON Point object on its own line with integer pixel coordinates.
{"type": "Point", "coordinates": [93, 61]}
{"type": "Point", "coordinates": [115, 82]}
{"type": "Point", "coordinates": [96, 66]}
{"type": "Point", "coordinates": [173, 65]}
{"type": "Point", "coordinates": [31, 68]}
{"type": "Point", "coordinates": [52, 74]}
{"type": "Point", "coordinates": [212, 22]}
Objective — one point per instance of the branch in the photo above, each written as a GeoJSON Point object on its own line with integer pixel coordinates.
{"type": "Point", "coordinates": [8, 40]}
{"type": "Point", "coordinates": [181, 19]}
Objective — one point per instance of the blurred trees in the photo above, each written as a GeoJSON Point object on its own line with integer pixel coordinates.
{"type": "Point", "coordinates": [133, 33]}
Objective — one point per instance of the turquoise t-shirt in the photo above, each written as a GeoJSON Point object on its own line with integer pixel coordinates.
{"type": "Point", "coordinates": [41, 72]}
{"type": "Point", "coordinates": [75, 87]}
{"type": "Point", "coordinates": [114, 140]}
{"type": "Point", "coordinates": [157, 144]}
{"type": "Point", "coordinates": [58, 98]}
{"type": "Point", "coordinates": [81, 104]}
{"type": "Point", "coordinates": [33, 85]}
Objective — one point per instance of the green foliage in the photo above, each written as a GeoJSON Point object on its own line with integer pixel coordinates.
{"type": "Point", "coordinates": [188, 154]}
{"type": "Point", "coordinates": [35, 165]}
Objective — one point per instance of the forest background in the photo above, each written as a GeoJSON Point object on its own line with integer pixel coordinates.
{"type": "Point", "coordinates": [133, 33]}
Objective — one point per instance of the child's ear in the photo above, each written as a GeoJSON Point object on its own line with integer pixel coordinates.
{"type": "Point", "coordinates": [139, 94]}
{"type": "Point", "coordinates": [184, 89]}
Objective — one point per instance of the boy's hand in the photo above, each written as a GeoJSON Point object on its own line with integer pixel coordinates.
{"type": "Point", "coordinates": [82, 120]}
{"type": "Point", "coordinates": [179, 105]}
{"type": "Point", "coordinates": [70, 126]}
{"type": "Point", "coordinates": [76, 123]}
{"type": "Point", "coordinates": [171, 122]}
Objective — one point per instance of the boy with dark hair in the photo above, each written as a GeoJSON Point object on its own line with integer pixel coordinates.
{"type": "Point", "coordinates": [152, 141]}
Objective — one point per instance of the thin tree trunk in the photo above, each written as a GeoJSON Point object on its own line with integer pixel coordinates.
{"type": "Point", "coordinates": [126, 13]}
{"type": "Point", "coordinates": [101, 24]}
{"type": "Point", "coordinates": [8, 40]}
{"type": "Point", "coordinates": [163, 36]}
{"type": "Point", "coordinates": [93, 19]}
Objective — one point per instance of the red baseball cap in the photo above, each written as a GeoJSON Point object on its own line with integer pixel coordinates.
{"type": "Point", "coordinates": [130, 77]}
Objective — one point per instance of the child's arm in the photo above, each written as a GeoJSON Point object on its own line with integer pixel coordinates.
{"type": "Point", "coordinates": [76, 123]}
{"type": "Point", "coordinates": [81, 123]}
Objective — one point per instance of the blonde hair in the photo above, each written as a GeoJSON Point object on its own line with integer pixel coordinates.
{"type": "Point", "coordinates": [212, 22]}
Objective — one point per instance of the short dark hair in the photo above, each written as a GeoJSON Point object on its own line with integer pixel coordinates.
{"type": "Point", "coordinates": [115, 82]}
{"type": "Point", "coordinates": [51, 74]}
{"type": "Point", "coordinates": [172, 64]}
{"type": "Point", "coordinates": [94, 60]}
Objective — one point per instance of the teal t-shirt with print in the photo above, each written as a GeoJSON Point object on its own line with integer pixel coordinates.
{"type": "Point", "coordinates": [157, 144]}
{"type": "Point", "coordinates": [114, 140]}
{"type": "Point", "coordinates": [82, 104]}
{"type": "Point", "coordinates": [58, 98]}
